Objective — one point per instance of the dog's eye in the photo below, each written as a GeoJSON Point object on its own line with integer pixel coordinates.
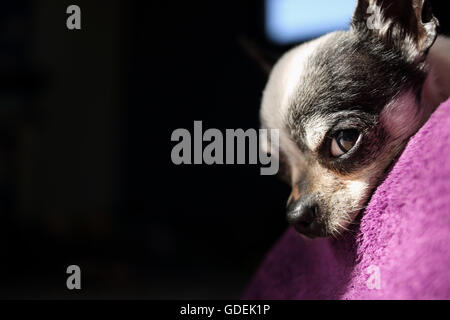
{"type": "Point", "coordinates": [343, 142]}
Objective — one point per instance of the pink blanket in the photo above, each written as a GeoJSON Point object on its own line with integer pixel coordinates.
{"type": "Point", "coordinates": [401, 249]}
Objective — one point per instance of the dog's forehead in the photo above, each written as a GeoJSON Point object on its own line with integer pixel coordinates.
{"type": "Point", "coordinates": [342, 74]}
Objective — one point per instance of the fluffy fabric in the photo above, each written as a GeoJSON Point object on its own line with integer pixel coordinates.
{"type": "Point", "coordinates": [401, 248]}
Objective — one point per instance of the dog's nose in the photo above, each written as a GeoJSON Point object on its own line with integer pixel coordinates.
{"type": "Point", "coordinates": [302, 215]}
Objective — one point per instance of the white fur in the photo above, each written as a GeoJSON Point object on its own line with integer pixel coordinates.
{"type": "Point", "coordinates": [315, 129]}
{"type": "Point", "coordinates": [284, 80]}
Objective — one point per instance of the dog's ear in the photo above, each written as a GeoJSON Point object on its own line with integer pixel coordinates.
{"type": "Point", "coordinates": [406, 25]}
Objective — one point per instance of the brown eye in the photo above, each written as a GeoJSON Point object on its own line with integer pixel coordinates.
{"type": "Point", "coordinates": [343, 142]}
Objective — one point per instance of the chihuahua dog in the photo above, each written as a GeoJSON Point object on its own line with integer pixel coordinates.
{"type": "Point", "coordinates": [346, 105]}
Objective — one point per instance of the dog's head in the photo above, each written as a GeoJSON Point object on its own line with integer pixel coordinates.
{"type": "Point", "coordinates": [345, 105]}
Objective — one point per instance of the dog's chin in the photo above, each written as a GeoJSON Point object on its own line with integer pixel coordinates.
{"type": "Point", "coordinates": [330, 229]}
{"type": "Point", "coordinates": [324, 232]}
{"type": "Point", "coordinates": [312, 234]}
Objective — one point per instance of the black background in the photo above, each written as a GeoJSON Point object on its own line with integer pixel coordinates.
{"type": "Point", "coordinates": [86, 177]}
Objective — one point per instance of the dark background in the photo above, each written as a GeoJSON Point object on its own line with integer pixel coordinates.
{"type": "Point", "coordinates": [86, 177]}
